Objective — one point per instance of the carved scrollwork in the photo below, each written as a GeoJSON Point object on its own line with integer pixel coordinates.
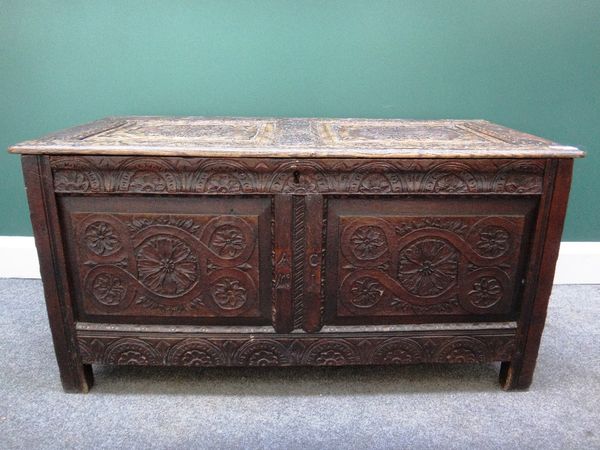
{"type": "Point", "coordinates": [430, 266]}
{"type": "Point", "coordinates": [168, 264]}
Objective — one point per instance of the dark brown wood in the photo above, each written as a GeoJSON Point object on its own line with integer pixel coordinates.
{"type": "Point", "coordinates": [518, 373]}
{"type": "Point", "coordinates": [315, 259]}
{"type": "Point", "coordinates": [283, 308]}
{"type": "Point", "coordinates": [327, 349]}
{"type": "Point", "coordinates": [74, 374]}
{"type": "Point", "coordinates": [213, 257]}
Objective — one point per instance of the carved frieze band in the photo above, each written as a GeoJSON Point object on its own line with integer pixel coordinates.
{"type": "Point", "coordinates": [282, 351]}
{"type": "Point", "coordinates": [250, 176]}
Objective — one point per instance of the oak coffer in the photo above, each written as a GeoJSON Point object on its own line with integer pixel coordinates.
{"type": "Point", "coordinates": [248, 242]}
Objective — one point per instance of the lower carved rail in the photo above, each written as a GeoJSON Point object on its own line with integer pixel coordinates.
{"type": "Point", "coordinates": [193, 349]}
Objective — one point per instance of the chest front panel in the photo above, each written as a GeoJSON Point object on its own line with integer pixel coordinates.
{"type": "Point", "coordinates": [198, 259]}
{"type": "Point", "coordinates": [393, 260]}
{"type": "Point", "coordinates": [296, 244]}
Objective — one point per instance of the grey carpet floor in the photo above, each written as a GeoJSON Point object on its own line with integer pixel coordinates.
{"type": "Point", "coordinates": [425, 406]}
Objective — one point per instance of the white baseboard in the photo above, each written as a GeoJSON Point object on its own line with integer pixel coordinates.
{"type": "Point", "coordinates": [578, 262]}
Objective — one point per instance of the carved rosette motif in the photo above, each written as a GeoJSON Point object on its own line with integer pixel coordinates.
{"type": "Point", "coordinates": [228, 293]}
{"type": "Point", "coordinates": [368, 242]}
{"type": "Point", "coordinates": [195, 352]}
{"type": "Point", "coordinates": [131, 351]}
{"type": "Point", "coordinates": [366, 292]}
{"type": "Point", "coordinates": [428, 267]}
{"type": "Point", "coordinates": [398, 351]}
{"type": "Point", "coordinates": [462, 350]}
{"type": "Point", "coordinates": [166, 265]}
{"type": "Point", "coordinates": [331, 353]}
{"type": "Point", "coordinates": [101, 238]}
{"type": "Point", "coordinates": [263, 353]}
{"type": "Point", "coordinates": [228, 241]}
{"type": "Point", "coordinates": [108, 289]}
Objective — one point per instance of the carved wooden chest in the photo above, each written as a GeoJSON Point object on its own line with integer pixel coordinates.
{"type": "Point", "coordinates": [242, 242]}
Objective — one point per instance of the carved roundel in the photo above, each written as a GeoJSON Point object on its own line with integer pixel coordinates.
{"type": "Point", "coordinates": [330, 353]}
{"type": "Point", "coordinates": [229, 293]}
{"type": "Point", "coordinates": [129, 351]}
{"type": "Point", "coordinates": [231, 239]}
{"type": "Point", "coordinates": [101, 238]}
{"type": "Point", "coordinates": [492, 241]}
{"type": "Point", "coordinates": [428, 267]}
{"type": "Point", "coordinates": [398, 351]}
{"type": "Point", "coordinates": [166, 265]}
{"type": "Point", "coordinates": [368, 242]}
{"type": "Point", "coordinates": [108, 289]}
{"type": "Point", "coordinates": [262, 353]}
{"type": "Point", "coordinates": [462, 350]}
{"type": "Point", "coordinates": [195, 352]}
{"type": "Point", "coordinates": [485, 292]}
{"type": "Point", "coordinates": [366, 292]}
{"type": "Point", "coordinates": [228, 241]}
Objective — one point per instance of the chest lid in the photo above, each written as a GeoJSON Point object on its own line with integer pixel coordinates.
{"type": "Point", "coordinates": [295, 138]}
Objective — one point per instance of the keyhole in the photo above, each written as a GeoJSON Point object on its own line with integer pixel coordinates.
{"type": "Point", "coordinates": [296, 177]}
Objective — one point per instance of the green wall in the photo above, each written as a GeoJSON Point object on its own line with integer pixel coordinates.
{"type": "Point", "coordinates": [532, 65]}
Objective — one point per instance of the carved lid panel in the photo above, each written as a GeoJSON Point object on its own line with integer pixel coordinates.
{"type": "Point", "coordinates": [295, 138]}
